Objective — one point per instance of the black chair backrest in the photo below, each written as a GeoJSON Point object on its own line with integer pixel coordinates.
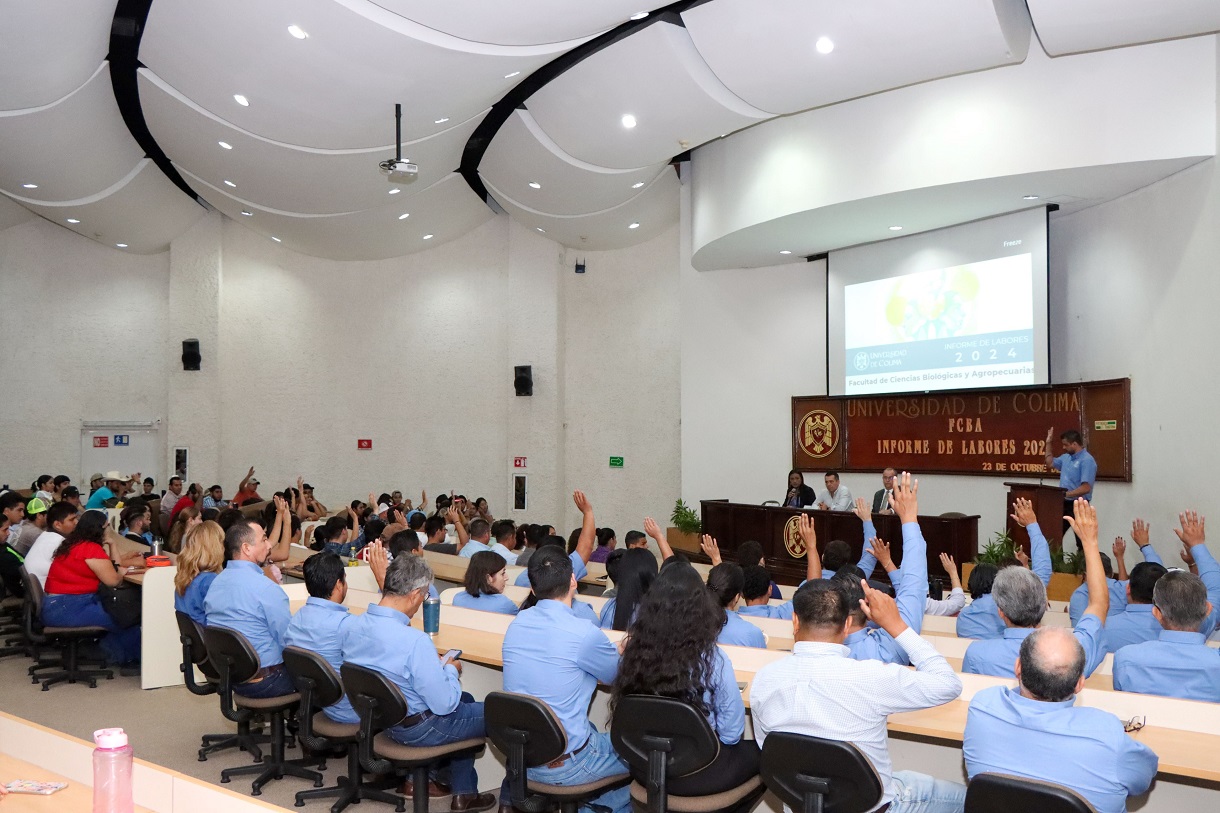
{"type": "Point", "coordinates": [31, 609]}
{"type": "Point", "coordinates": [33, 592]}
{"type": "Point", "coordinates": [315, 679]}
{"type": "Point", "coordinates": [194, 650]}
{"type": "Point", "coordinates": [798, 769]}
{"type": "Point", "coordinates": [645, 726]}
{"type": "Point", "coordinates": [514, 719]}
{"type": "Point", "coordinates": [1000, 793]}
{"type": "Point", "coordinates": [371, 690]}
{"type": "Point", "coordinates": [231, 654]}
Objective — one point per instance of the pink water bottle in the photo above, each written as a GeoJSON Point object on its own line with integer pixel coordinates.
{"type": "Point", "coordinates": [112, 772]}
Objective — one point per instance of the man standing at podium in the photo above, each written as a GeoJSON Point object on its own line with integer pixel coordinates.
{"type": "Point", "coordinates": [1077, 469]}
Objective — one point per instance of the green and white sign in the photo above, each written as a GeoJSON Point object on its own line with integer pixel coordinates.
{"type": "Point", "coordinates": [616, 462]}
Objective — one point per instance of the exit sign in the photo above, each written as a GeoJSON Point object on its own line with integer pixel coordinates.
{"type": "Point", "coordinates": [364, 443]}
{"type": "Point", "coordinates": [616, 462]}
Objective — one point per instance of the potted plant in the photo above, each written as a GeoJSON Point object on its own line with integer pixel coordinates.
{"type": "Point", "coordinates": [684, 532]}
{"type": "Point", "coordinates": [1067, 569]}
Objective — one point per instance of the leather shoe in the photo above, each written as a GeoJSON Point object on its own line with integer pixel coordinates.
{"type": "Point", "coordinates": [472, 802]}
{"type": "Point", "coordinates": [435, 790]}
{"type": "Point", "coordinates": [505, 807]}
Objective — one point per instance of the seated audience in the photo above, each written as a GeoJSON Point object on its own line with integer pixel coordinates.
{"type": "Point", "coordinates": [486, 578]}
{"type": "Point", "coordinates": [1135, 623]}
{"type": "Point", "coordinates": [979, 618]}
{"type": "Point", "coordinates": [612, 561]}
{"type": "Point", "coordinates": [869, 561]}
{"type": "Point", "coordinates": [724, 583]}
{"type": "Point", "coordinates": [671, 652]}
{"type": "Point", "coordinates": [186, 519]}
{"type": "Point", "coordinates": [820, 691]}
{"type": "Point", "coordinates": [109, 495]}
{"type": "Point", "coordinates": [406, 543]}
{"type": "Point", "coordinates": [750, 553]}
{"type": "Point", "coordinates": [247, 490]}
{"type": "Point", "coordinates": [476, 539]}
{"type": "Point", "coordinates": [1178, 663]}
{"type": "Point", "coordinates": [559, 658]}
{"type": "Point", "coordinates": [13, 521]}
{"type": "Point", "coordinates": [192, 498]}
{"type": "Point", "coordinates": [634, 539]}
{"type": "Point", "coordinates": [434, 530]}
{"type": "Point", "coordinates": [606, 542]}
{"type": "Point", "coordinates": [200, 561]}
{"type": "Point", "coordinates": [1020, 598]}
{"type": "Point", "coordinates": [319, 625]}
{"type": "Point", "coordinates": [33, 526]}
{"type": "Point", "coordinates": [1116, 580]}
{"type": "Point", "coordinates": [71, 494]}
{"type": "Point", "coordinates": [584, 547]}
{"type": "Point", "coordinates": [242, 599]}
{"type": "Point", "coordinates": [636, 572]}
{"type": "Point", "coordinates": [79, 567]}
{"type": "Point", "coordinates": [438, 711]}
{"type": "Point", "coordinates": [136, 522]}
{"type": "Point", "coordinates": [756, 582]}
{"type": "Point", "coordinates": [42, 489]}
{"type": "Point", "coordinates": [59, 522]}
{"type": "Point", "coordinates": [1037, 731]}
{"type": "Point", "coordinates": [215, 499]}
{"type": "Point", "coordinates": [504, 540]}
{"type": "Point", "coordinates": [169, 500]}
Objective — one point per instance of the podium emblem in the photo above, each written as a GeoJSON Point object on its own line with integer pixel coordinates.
{"type": "Point", "coordinates": [792, 538]}
{"type": "Point", "coordinates": [818, 433]}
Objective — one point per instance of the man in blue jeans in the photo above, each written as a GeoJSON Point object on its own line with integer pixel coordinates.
{"type": "Point", "coordinates": [559, 657]}
{"type": "Point", "coordinates": [438, 711]}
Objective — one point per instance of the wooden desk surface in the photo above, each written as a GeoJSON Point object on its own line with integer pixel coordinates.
{"type": "Point", "coordinates": [125, 546]}
{"type": "Point", "coordinates": [74, 797]}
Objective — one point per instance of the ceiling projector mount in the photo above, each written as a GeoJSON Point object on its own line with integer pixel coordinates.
{"type": "Point", "coordinates": [396, 169]}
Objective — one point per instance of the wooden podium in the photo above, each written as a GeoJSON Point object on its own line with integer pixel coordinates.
{"type": "Point", "coordinates": [1048, 508]}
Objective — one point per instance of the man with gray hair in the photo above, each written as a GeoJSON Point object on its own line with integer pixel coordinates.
{"type": "Point", "coordinates": [1037, 731]}
{"type": "Point", "coordinates": [438, 711]}
{"type": "Point", "coordinates": [1020, 598]}
{"type": "Point", "coordinates": [1179, 663]}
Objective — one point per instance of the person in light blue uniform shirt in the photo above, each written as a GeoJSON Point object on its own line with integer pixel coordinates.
{"type": "Point", "coordinates": [725, 583]}
{"type": "Point", "coordinates": [1136, 623]}
{"type": "Point", "coordinates": [1077, 469]}
{"type": "Point", "coordinates": [578, 563]}
{"type": "Point", "coordinates": [244, 600]}
{"type": "Point", "coordinates": [1036, 730]}
{"type": "Point", "coordinates": [1020, 597]}
{"type": "Point", "coordinates": [1117, 580]}
{"type": "Point", "coordinates": [552, 654]}
{"type": "Point", "coordinates": [438, 711]}
{"type": "Point", "coordinates": [200, 561]}
{"type": "Point", "coordinates": [756, 581]}
{"type": "Point", "coordinates": [318, 626]}
{"type": "Point", "coordinates": [476, 539]}
{"type": "Point", "coordinates": [980, 619]}
{"type": "Point", "coordinates": [486, 578]}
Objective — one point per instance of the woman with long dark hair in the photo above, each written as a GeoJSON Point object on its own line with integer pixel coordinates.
{"type": "Point", "coordinates": [486, 576]}
{"type": "Point", "coordinates": [725, 583]}
{"type": "Point", "coordinates": [80, 565]}
{"type": "Point", "coordinates": [799, 495]}
{"type": "Point", "coordinates": [671, 651]}
{"type": "Point", "coordinates": [636, 572]}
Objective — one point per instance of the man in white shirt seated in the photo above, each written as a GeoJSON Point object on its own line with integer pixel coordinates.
{"type": "Point", "coordinates": [836, 496]}
{"type": "Point", "coordinates": [820, 691]}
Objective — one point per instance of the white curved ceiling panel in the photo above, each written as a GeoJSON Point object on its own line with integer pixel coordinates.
{"type": "Point", "coordinates": [1072, 26]}
{"type": "Point", "coordinates": [51, 47]}
{"type": "Point", "coordinates": [337, 88]}
{"type": "Point", "coordinates": [655, 75]}
{"type": "Point", "coordinates": [524, 22]}
{"type": "Point", "coordinates": [446, 210]}
{"type": "Point", "coordinates": [654, 209]}
{"type": "Point", "coordinates": [765, 50]}
{"type": "Point", "coordinates": [72, 149]}
{"type": "Point", "coordinates": [12, 213]}
{"type": "Point", "coordinates": [288, 178]}
{"type": "Point", "coordinates": [521, 154]}
{"type": "Point", "coordinates": [146, 212]}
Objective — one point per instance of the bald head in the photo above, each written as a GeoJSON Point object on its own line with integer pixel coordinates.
{"type": "Point", "coordinates": [1051, 665]}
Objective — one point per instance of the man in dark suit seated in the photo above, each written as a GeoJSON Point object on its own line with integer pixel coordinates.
{"type": "Point", "coordinates": [881, 500]}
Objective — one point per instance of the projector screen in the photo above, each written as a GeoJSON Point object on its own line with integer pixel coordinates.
{"type": "Point", "coordinates": [950, 309]}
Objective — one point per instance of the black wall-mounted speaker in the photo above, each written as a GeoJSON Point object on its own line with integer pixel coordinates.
{"type": "Point", "coordinates": [190, 354]}
{"type": "Point", "coordinates": [523, 380]}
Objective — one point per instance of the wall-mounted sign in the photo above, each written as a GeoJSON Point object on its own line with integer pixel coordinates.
{"type": "Point", "coordinates": [616, 462]}
{"type": "Point", "coordinates": [364, 443]}
{"type": "Point", "coordinates": [518, 462]}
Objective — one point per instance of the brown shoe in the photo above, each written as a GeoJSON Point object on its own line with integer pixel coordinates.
{"type": "Point", "coordinates": [472, 802]}
{"type": "Point", "coordinates": [435, 790]}
{"type": "Point", "coordinates": [505, 807]}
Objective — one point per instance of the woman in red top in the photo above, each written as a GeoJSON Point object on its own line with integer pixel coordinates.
{"type": "Point", "coordinates": [79, 567]}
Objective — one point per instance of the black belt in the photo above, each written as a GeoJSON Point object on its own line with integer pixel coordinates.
{"type": "Point", "coordinates": [264, 673]}
{"type": "Point", "coordinates": [559, 761]}
{"type": "Point", "coordinates": [415, 719]}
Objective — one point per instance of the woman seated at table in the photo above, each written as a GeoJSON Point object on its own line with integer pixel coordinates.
{"type": "Point", "coordinates": [79, 567]}
{"type": "Point", "coordinates": [201, 560]}
{"type": "Point", "coordinates": [636, 571]}
{"type": "Point", "coordinates": [725, 583]}
{"type": "Point", "coordinates": [671, 652]}
{"type": "Point", "coordinates": [187, 518]}
{"type": "Point", "coordinates": [486, 576]}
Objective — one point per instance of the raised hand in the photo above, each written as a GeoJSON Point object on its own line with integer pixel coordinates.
{"type": "Point", "coordinates": [880, 549]}
{"type": "Point", "coordinates": [582, 502]}
{"type": "Point", "coordinates": [1187, 557]}
{"type": "Point", "coordinates": [1139, 532]}
{"type": "Point", "coordinates": [1119, 548]}
{"type": "Point", "coordinates": [1023, 512]}
{"type": "Point", "coordinates": [454, 517]}
{"type": "Point", "coordinates": [809, 536]}
{"type": "Point", "coordinates": [651, 528]}
{"type": "Point", "coordinates": [379, 560]}
{"type": "Point", "coordinates": [1084, 522]}
{"type": "Point", "coordinates": [863, 511]}
{"type": "Point", "coordinates": [950, 566]}
{"type": "Point", "coordinates": [905, 498]}
{"type": "Point", "coordinates": [709, 547]}
{"type": "Point", "coordinates": [1193, 531]}
{"type": "Point", "coordinates": [882, 610]}
{"type": "Point", "coordinates": [1021, 556]}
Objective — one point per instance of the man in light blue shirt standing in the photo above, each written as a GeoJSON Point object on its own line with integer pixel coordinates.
{"type": "Point", "coordinates": [1020, 598]}
{"type": "Point", "coordinates": [1037, 731]}
{"type": "Point", "coordinates": [1077, 469]}
{"type": "Point", "coordinates": [1179, 663]}
{"type": "Point", "coordinates": [558, 657]}
{"type": "Point", "coordinates": [244, 600]}
{"type": "Point", "coordinates": [438, 711]}
{"type": "Point", "coordinates": [318, 626]}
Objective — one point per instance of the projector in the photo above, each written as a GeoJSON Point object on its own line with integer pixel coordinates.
{"type": "Point", "coordinates": [400, 172]}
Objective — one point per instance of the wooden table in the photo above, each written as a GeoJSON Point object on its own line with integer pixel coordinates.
{"type": "Point", "coordinates": [72, 798]}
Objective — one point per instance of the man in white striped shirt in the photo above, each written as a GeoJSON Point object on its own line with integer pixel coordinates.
{"type": "Point", "coordinates": [821, 691]}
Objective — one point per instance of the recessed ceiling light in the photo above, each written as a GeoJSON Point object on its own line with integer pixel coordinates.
{"type": "Point", "coordinates": [427, 237]}
{"type": "Point", "coordinates": [441, 121]}
{"type": "Point", "coordinates": [404, 215]}
{"type": "Point", "coordinates": [539, 228]}
{"type": "Point", "coordinates": [247, 214]}
{"type": "Point", "coordinates": [895, 228]}
{"type": "Point", "coordinates": [395, 191]}
{"type": "Point", "coordinates": [120, 245]}
{"type": "Point", "coordinates": [225, 144]}
{"type": "Point", "coordinates": [637, 185]}
{"type": "Point", "coordinates": [628, 121]}
{"type": "Point", "coordinates": [1030, 197]}
{"type": "Point", "coordinates": [30, 185]}
{"type": "Point", "coordinates": [785, 251]}
{"type": "Point", "coordinates": [298, 32]}
{"type": "Point", "coordinates": [230, 183]}
{"type": "Point", "coordinates": [535, 185]}
{"type": "Point", "coordinates": [241, 100]}
{"type": "Point", "coordinates": [639, 15]}
{"type": "Point", "coordinates": [511, 75]}
{"type": "Point", "coordinates": [634, 226]}
{"type": "Point", "coordinates": [824, 45]}
{"type": "Point", "coordinates": [276, 239]}
{"type": "Point", "coordinates": [73, 220]}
